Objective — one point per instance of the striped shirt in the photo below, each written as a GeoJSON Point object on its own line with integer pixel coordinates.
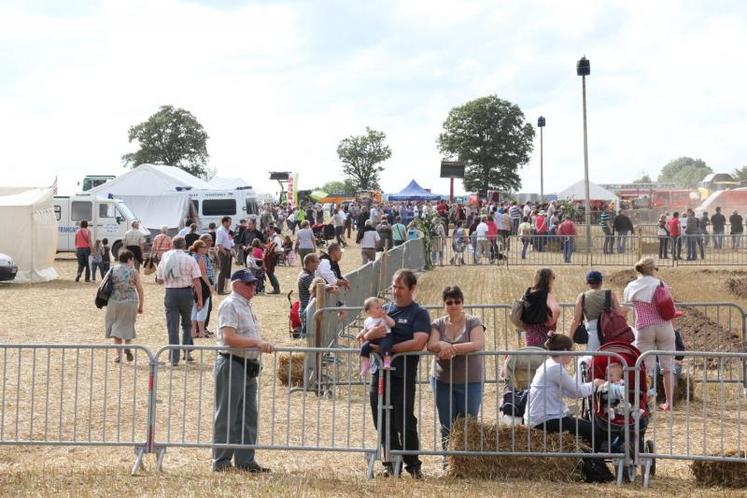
{"type": "Point", "coordinates": [515, 212]}
{"type": "Point", "coordinates": [605, 219]}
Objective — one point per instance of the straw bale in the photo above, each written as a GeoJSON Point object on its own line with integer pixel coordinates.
{"type": "Point", "coordinates": [482, 437]}
{"type": "Point", "coordinates": [725, 474]}
{"type": "Point", "coordinates": [294, 364]}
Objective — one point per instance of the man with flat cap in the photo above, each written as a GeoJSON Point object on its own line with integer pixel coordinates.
{"type": "Point", "coordinates": [236, 370]}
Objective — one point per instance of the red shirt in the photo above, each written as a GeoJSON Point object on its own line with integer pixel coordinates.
{"type": "Point", "coordinates": [492, 229]}
{"type": "Point", "coordinates": [674, 227]}
{"type": "Point", "coordinates": [82, 239]}
{"type": "Point", "coordinates": [567, 228]}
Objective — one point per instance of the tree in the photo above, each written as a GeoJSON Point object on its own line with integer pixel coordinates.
{"type": "Point", "coordinates": [336, 187]}
{"type": "Point", "coordinates": [173, 137]}
{"type": "Point", "coordinates": [492, 138]}
{"type": "Point", "coordinates": [645, 178]}
{"type": "Point", "coordinates": [684, 172]}
{"type": "Point", "coordinates": [740, 174]}
{"type": "Point", "coordinates": [361, 157]}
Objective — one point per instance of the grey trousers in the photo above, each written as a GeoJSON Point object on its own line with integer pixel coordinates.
{"type": "Point", "coordinates": [178, 304]}
{"type": "Point", "coordinates": [235, 413]}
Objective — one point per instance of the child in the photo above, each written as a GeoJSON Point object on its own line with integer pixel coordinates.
{"type": "Point", "coordinates": [96, 260]}
{"type": "Point", "coordinates": [376, 317]}
{"type": "Point", "coordinates": [613, 391]}
{"type": "Point", "coordinates": [105, 256]}
{"type": "Point", "coordinates": [288, 250]}
{"type": "Point", "coordinates": [256, 266]}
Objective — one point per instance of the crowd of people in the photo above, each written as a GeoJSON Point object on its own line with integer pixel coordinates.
{"type": "Point", "coordinates": [195, 267]}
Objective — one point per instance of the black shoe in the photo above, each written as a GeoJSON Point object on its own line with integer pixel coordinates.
{"type": "Point", "coordinates": [415, 472]}
{"type": "Point", "coordinates": [253, 468]}
{"type": "Point", "coordinates": [129, 355]}
{"type": "Point", "coordinates": [388, 470]}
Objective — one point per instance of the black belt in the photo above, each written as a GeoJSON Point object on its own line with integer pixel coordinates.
{"type": "Point", "coordinates": [252, 366]}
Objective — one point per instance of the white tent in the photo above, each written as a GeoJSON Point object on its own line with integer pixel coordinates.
{"type": "Point", "coordinates": [29, 232]}
{"type": "Point", "coordinates": [577, 192]}
{"type": "Point", "coordinates": [153, 193]}
{"type": "Point", "coordinates": [219, 183]}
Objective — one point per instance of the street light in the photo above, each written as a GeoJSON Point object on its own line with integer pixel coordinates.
{"type": "Point", "coordinates": [541, 125]}
{"type": "Point", "coordinates": [583, 69]}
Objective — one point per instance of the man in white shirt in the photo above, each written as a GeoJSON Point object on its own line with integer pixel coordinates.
{"type": "Point", "coordinates": [224, 245]}
{"type": "Point", "coordinates": [339, 222]}
{"type": "Point", "coordinates": [329, 267]}
{"type": "Point", "coordinates": [134, 241]}
{"type": "Point", "coordinates": [481, 235]}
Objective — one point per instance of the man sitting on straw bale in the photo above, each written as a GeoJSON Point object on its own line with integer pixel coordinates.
{"type": "Point", "coordinates": [410, 333]}
{"type": "Point", "coordinates": [236, 371]}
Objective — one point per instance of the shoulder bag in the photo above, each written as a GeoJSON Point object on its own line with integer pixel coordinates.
{"type": "Point", "coordinates": [581, 335]}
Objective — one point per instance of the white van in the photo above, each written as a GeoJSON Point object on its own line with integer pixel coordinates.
{"type": "Point", "coordinates": [107, 218]}
{"type": "Point", "coordinates": [212, 205]}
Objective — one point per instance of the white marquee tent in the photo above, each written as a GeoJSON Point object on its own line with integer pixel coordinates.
{"type": "Point", "coordinates": [220, 183]}
{"type": "Point", "coordinates": [577, 192]}
{"type": "Point", "coordinates": [153, 193]}
{"type": "Point", "coordinates": [29, 232]}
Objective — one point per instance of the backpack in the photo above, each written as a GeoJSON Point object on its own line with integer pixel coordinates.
{"type": "Point", "coordinates": [612, 325]}
{"type": "Point", "coordinates": [104, 292]}
{"type": "Point", "coordinates": [535, 311]}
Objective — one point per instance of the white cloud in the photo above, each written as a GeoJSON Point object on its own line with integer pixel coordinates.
{"type": "Point", "coordinates": [666, 81]}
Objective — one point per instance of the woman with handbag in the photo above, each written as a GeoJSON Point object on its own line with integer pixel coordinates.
{"type": "Point", "coordinates": [654, 310]}
{"type": "Point", "coordinates": [125, 302]}
{"type": "Point", "coordinates": [589, 306]}
{"type": "Point", "coordinates": [199, 251]}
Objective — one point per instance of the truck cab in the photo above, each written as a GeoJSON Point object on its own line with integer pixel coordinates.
{"type": "Point", "coordinates": [107, 218]}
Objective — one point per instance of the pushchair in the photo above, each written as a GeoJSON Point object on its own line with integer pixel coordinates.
{"type": "Point", "coordinates": [518, 372]}
{"type": "Point", "coordinates": [256, 266]}
{"type": "Point", "coordinates": [613, 424]}
{"type": "Point", "coordinates": [323, 233]}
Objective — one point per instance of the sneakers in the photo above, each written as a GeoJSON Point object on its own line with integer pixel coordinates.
{"type": "Point", "coordinates": [387, 362]}
{"type": "Point", "coordinates": [415, 472]}
{"type": "Point", "coordinates": [253, 468]}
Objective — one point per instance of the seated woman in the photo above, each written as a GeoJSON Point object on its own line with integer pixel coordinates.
{"type": "Point", "coordinates": [456, 379]}
{"type": "Point", "coordinates": [546, 410]}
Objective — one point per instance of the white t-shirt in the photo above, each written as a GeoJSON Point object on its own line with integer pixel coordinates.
{"type": "Point", "coordinates": [481, 231]}
{"type": "Point", "coordinates": [278, 243]}
{"type": "Point", "coordinates": [372, 322]}
{"type": "Point", "coordinates": [370, 239]}
{"type": "Point", "coordinates": [550, 384]}
{"type": "Point", "coordinates": [340, 218]}
{"type": "Point", "coordinates": [305, 238]}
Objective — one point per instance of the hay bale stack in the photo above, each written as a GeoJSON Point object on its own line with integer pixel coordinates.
{"type": "Point", "coordinates": [725, 474]}
{"type": "Point", "coordinates": [681, 388]}
{"type": "Point", "coordinates": [517, 438]}
{"type": "Point", "coordinates": [290, 368]}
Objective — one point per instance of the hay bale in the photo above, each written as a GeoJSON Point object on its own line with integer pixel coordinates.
{"type": "Point", "coordinates": [517, 438]}
{"type": "Point", "coordinates": [293, 365]}
{"type": "Point", "coordinates": [681, 388]}
{"type": "Point", "coordinates": [724, 474]}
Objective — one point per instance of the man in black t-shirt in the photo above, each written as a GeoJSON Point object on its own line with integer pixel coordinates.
{"type": "Point", "coordinates": [718, 222]}
{"type": "Point", "coordinates": [736, 230]}
{"type": "Point", "coordinates": [410, 334]}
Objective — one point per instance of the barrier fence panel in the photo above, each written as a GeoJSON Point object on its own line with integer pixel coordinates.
{"type": "Point", "coordinates": [477, 391]}
{"type": "Point", "coordinates": [414, 257]}
{"type": "Point", "coordinates": [332, 415]}
{"type": "Point", "coordinates": [707, 420]}
{"type": "Point", "coordinates": [75, 395]}
{"type": "Point", "coordinates": [726, 250]}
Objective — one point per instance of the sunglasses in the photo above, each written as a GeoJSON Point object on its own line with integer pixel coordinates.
{"type": "Point", "coordinates": [452, 302]}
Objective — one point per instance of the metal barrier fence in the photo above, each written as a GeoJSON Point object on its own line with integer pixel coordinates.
{"type": "Point", "coordinates": [74, 395]}
{"type": "Point", "coordinates": [606, 250]}
{"type": "Point", "coordinates": [334, 415]}
{"type": "Point", "coordinates": [419, 410]}
{"type": "Point", "coordinates": [707, 423]}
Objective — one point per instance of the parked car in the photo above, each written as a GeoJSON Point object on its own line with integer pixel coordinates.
{"type": "Point", "coordinates": [8, 269]}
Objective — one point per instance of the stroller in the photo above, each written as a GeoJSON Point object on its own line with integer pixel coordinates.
{"type": "Point", "coordinates": [612, 423]}
{"type": "Point", "coordinates": [295, 325]}
{"type": "Point", "coordinates": [256, 266]}
{"type": "Point", "coordinates": [518, 373]}
{"type": "Point", "coordinates": [323, 233]}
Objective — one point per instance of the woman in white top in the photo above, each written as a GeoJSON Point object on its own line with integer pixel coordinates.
{"type": "Point", "coordinates": [546, 409]}
{"type": "Point", "coordinates": [369, 241]}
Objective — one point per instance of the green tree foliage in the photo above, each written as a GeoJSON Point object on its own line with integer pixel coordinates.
{"type": "Point", "coordinates": [684, 172]}
{"type": "Point", "coordinates": [361, 158]}
{"type": "Point", "coordinates": [491, 136]}
{"type": "Point", "coordinates": [740, 174]}
{"type": "Point", "coordinates": [645, 178]}
{"type": "Point", "coordinates": [172, 137]}
{"type": "Point", "coordinates": [337, 187]}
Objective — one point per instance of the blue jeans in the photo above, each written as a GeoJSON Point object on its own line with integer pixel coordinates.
{"type": "Point", "coordinates": [691, 247]}
{"type": "Point", "coordinates": [622, 239]}
{"type": "Point", "coordinates": [524, 245]}
{"type": "Point", "coordinates": [453, 401]}
{"type": "Point", "coordinates": [385, 344]}
{"type": "Point", "coordinates": [609, 241]}
{"type": "Point", "coordinates": [567, 248]}
{"type": "Point", "coordinates": [718, 239]}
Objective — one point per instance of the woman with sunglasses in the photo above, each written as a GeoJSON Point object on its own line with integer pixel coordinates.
{"type": "Point", "coordinates": [456, 376]}
{"type": "Point", "coordinates": [653, 332]}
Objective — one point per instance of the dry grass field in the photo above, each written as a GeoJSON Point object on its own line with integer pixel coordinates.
{"type": "Point", "coordinates": [62, 312]}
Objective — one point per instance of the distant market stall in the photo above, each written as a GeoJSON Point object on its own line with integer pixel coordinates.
{"type": "Point", "coordinates": [577, 192]}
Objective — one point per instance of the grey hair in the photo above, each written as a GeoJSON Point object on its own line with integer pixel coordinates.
{"type": "Point", "coordinates": [178, 242]}
{"type": "Point", "coordinates": [164, 229]}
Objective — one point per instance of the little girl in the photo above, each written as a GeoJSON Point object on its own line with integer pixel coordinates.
{"type": "Point", "coordinates": [376, 317]}
{"type": "Point", "coordinates": [96, 260]}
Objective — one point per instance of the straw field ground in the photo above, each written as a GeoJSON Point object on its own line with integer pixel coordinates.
{"type": "Point", "coordinates": [62, 312]}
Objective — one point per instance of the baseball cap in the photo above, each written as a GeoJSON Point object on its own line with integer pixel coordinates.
{"type": "Point", "coordinates": [243, 276]}
{"type": "Point", "coordinates": [594, 277]}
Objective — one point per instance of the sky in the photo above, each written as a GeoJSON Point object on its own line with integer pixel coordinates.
{"type": "Point", "coordinates": [278, 84]}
